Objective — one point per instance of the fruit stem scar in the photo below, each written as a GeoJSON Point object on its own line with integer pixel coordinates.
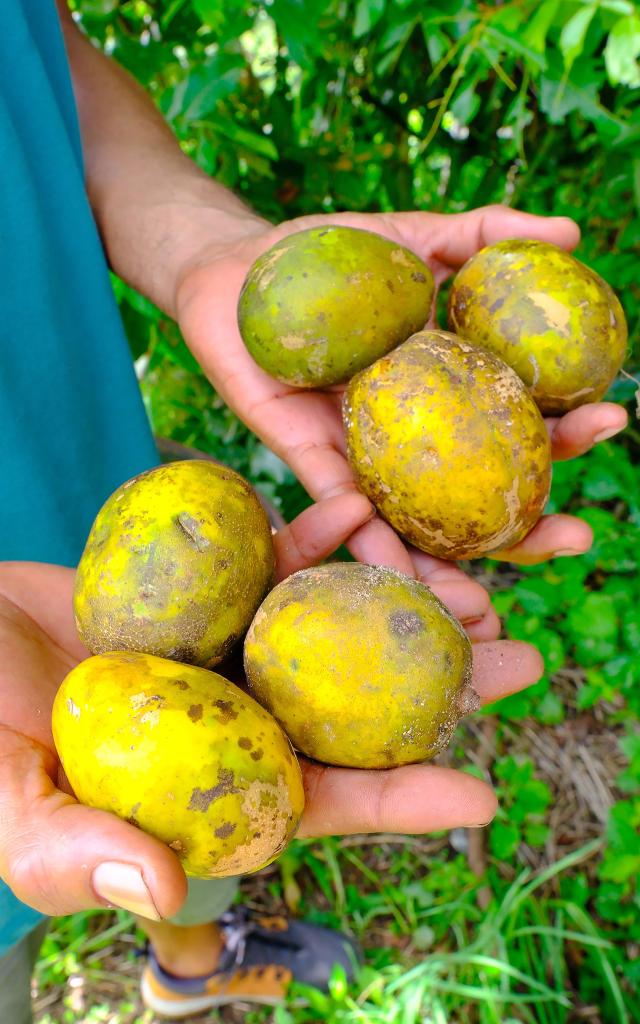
{"type": "Point", "coordinates": [192, 531]}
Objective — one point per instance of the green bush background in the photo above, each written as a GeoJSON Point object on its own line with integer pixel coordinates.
{"type": "Point", "coordinates": [304, 106]}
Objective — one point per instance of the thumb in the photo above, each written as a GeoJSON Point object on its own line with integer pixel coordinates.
{"type": "Point", "coordinates": [60, 857]}
{"type": "Point", "coordinates": [459, 236]}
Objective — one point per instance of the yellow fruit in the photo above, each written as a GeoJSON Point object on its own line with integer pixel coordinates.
{"type": "Point", "coordinates": [176, 564]}
{"type": "Point", "coordinates": [362, 666]}
{"type": "Point", "coordinates": [445, 441]}
{"type": "Point", "coordinates": [555, 321]}
{"type": "Point", "coordinates": [323, 303]}
{"type": "Point", "coordinates": [184, 755]}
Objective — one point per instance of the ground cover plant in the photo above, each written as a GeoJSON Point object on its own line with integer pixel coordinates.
{"type": "Point", "coordinates": [306, 105]}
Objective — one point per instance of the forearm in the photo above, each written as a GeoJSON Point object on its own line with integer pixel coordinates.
{"type": "Point", "coordinates": [154, 207]}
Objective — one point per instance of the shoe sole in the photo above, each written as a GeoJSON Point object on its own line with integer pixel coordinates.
{"type": "Point", "coordinates": [187, 1007]}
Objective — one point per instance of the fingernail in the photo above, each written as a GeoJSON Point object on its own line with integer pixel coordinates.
{"type": "Point", "coordinates": [484, 824]}
{"type": "Point", "coordinates": [605, 434]}
{"type": "Point", "coordinates": [122, 885]}
{"type": "Point", "coordinates": [566, 552]}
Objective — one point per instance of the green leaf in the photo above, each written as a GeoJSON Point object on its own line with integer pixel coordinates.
{"type": "Point", "coordinates": [550, 710]}
{"type": "Point", "coordinates": [393, 43]}
{"type": "Point", "coordinates": [535, 32]}
{"type": "Point", "coordinates": [298, 22]}
{"type": "Point", "coordinates": [551, 648]}
{"type": "Point", "coordinates": [621, 866]}
{"type": "Point", "coordinates": [619, 6]}
{"type": "Point", "coordinates": [573, 33]}
{"type": "Point", "coordinates": [466, 104]}
{"type": "Point", "coordinates": [560, 95]}
{"type": "Point", "coordinates": [595, 616]}
{"type": "Point", "coordinates": [210, 11]}
{"type": "Point", "coordinates": [538, 596]}
{"type": "Point", "coordinates": [515, 45]}
{"type": "Point", "coordinates": [536, 834]}
{"type": "Point", "coordinates": [198, 94]}
{"type": "Point", "coordinates": [368, 14]}
{"type": "Point", "coordinates": [622, 51]}
{"type": "Point", "coordinates": [437, 43]}
{"type": "Point", "coordinates": [243, 137]}
{"type": "Point", "coordinates": [504, 839]}
{"type": "Point", "coordinates": [532, 797]}
{"type": "Point", "coordinates": [594, 625]}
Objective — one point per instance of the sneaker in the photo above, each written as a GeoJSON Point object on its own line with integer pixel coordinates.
{"type": "Point", "coordinates": [261, 957]}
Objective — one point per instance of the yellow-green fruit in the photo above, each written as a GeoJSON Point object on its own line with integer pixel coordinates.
{"type": "Point", "coordinates": [176, 564]}
{"type": "Point", "coordinates": [184, 755]}
{"type": "Point", "coordinates": [323, 303]}
{"type": "Point", "coordinates": [362, 666]}
{"type": "Point", "coordinates": [446, 442]}
{"type": "Point", "coordinates": [555, 321]}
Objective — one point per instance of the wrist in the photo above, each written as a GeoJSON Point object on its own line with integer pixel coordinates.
{"type": "Point", "coordinates": [196, 222]}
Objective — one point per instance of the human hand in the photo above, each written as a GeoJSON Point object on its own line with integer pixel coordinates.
{"type": "Point", "coordinates": [59, 856]}
{"type": "Point", "coordinates": [305, 428]}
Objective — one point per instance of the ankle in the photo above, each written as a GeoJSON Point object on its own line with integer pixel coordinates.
{"type": "Point", "coordinates": [189, 952]}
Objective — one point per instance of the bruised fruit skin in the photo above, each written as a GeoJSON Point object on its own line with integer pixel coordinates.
{"type": "Point", "coordinates": [446, 442]}
{"type": "Point", "coordinates": [324, 303]}
{"type": "Point", "coordinates": [184, 755]}
{"type": "Point", "coordinates": [362, 666]}
{"type": "Point", "coordinates": [555, 321]}
{"type": "Point", "coordinates": [177, 561]}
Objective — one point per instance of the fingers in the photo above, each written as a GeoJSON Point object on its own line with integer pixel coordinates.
{"type": "Point", "coordinates": [318, 531]}
{"type": "Point", "coordinates": [577, 431]}
{"type": "Point", "coordinates": [45, 594]}
{"type": "Point", "coordinates": [488, 627]}
{"type": "Point", "coordinates": [322, 469]}
{"type": "Point", "coordinates": [503, 667]}
{"type": "Point", "coordinates": [413, 799]}
{"type": "Point", "coordinates": [552, 537]}
{"type": "Point", "coordinates": [458, 236]}
{"type": "Point", "coordinates": [60, 857]}
{"type": "Point", "coordinates": [377, 544]}
{"type": "Point", "coordinates": [464, 597]}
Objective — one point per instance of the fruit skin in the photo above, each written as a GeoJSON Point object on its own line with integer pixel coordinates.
{"type": "Point", "coordinates": [362, 666]}
{"type": "Point", "coordinates": [445, 441]}
{"type": "Point", "coordinates": [177, 561]}
{"type": "Point", "coordinates": [551, 318]}
{"type": "Point", "coordinates": [326, 302]}
{"type": "Point", "coordinates": [184, 755]}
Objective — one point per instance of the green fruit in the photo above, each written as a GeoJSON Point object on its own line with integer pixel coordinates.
{"type": "Point", "coordinates": [184, 755]}
{"type": "Point", "coordinates": [176, 564]}
{"type": "Point", "coordinates": [326, 302]}
{"type": "Point", "coordinates": [445, 441]}
{"type": "Point", "coordinates": [361, 666]}
{"type": "Point", "coordinates": [555, 321]}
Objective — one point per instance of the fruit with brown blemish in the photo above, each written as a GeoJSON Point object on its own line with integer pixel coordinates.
{"type": "Point", "coordinates": [177, 561]}
{"type": "Point", "coordinates": [446, 442]}
{"type": "Point", "coordinates": [361, 666]}
{"type": "Point", "coordinates": [130, 743]}
{"type": "Point", "coordinates": [553, 319]}
{"type": "Point", "coordinates": [322, 304]}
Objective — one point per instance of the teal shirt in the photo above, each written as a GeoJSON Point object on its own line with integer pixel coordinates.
{"type": "Point", "coordinates": [72, 423]}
